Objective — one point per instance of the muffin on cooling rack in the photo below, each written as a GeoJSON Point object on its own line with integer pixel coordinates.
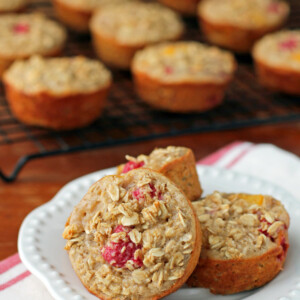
{"type": "Point", "coordinates": [9, 6]}
{"type": "Point", "coordinates": [24, 35]}
{"type": "Point", "coordinates": [133, 236]}
{"type": "Point", "coordinates": [277, 60]}
{"type": "Point", "coordinates": [57, 93]}
{"type": "Point", "coordinates": [177, 163]}
{"type": "Point", "coordinates": [186, 7]}
{"type": "Point", "coordinates": [76, 14]}
{"type": "Point", "coordinates": [120, 30]}
{"type": "Point", "coordinates": [183, 76]}
{"type": "Point", "coordinates": [237, 24]}
{"type": "Point", "coordinates": [245, 242]}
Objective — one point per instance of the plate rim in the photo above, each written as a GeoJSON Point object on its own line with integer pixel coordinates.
{"type": "Point", "coordinates": [97, 175]}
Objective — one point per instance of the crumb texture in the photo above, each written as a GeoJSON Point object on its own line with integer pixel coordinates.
{"type": "Point", "coordinates": [185, 61]}
{"type": "Point", "coordinates": [281, 49]}
{"type": "Point", "coordinates": [90, 5]}
{"type": "Point", "coordinates": [239, 226]}
{"type": "Point", "coordinates": [27, 34]}
{"type": "Point", "coordinates": [131, 236]}
{"type": "Point", "coordinates": [58, 76]}
{"type": "Point", "coordinates": [158, 157]}
{"type": "Point", "coordinates": [177, 163]}
{"type": "Point", "coordinates": [137, 23]}
{"type": "Point", "coordinates": [251, 14]}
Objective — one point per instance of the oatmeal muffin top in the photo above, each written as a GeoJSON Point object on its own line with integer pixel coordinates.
{"type": "Point", "coordinates": [281, 49]}
{"type": "Point", "coordinates": [57, 76]}
{"type": "Point", "coordinates": [11, 5]}
{"type": "Point", "coordinates": [90, 5]}
{"type": "Point", "coordinates": [136, 23]}
{"type": "Point", "coordinates": [250, 14]}
{"type": "Point", "coordinates": [27, 34]}
{"type": "Point", "coordinates": [156, 159]}
{"type": "Point", "coordinates": [185, 61]}
{"type": "Point", "coordinates": [144, 229]}
{"type": "Point", "coordinates": [239, 225]}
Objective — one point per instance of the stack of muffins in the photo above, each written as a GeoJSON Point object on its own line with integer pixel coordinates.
{"type": "Point", "coordinates": [143, 233]}
{"type": "Point", "coordinates": [170, 75]}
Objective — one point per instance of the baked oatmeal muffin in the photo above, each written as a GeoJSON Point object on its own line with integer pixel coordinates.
{"type": "Point", "coordinates": [24, 35]}
{"type": "Point", "coordinates": [237, 24]}
{"type": "Point", "coordinates": [245, 242]}
{"type": "Point", "coordinates": [9, 6]}
{"type": "Point", "coordinates": [177, 163]}
{"type": "Point", "coordinates": [277, 60]}
{"type": "Point", "coordinates": [186, 7]}
{"type": "Point", "coordinates": [58, 93]}
{"type": "Point", "coordinates": [182, 76]}
{"type": "Point", "coordinates": [76, 14]}
{"type": "Point", "coordinates": [134, 236]}
{"type": "Point", "coordinates": [120, 30]}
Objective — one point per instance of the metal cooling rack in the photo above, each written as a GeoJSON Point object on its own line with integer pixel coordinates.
{"type": "Point", "coordinates": [127, 119]}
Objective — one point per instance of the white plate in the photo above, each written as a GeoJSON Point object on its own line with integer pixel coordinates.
{"type": "Point", "coordinates": [41, 245]}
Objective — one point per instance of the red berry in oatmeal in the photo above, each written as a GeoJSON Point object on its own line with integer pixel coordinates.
{"type": "Point", "coordinates": [21, 28]}
{"type": "Point", "coordinates": [118, 253]}
{"type": "Point", "coordinates": [289, 44]}
{"type": "Point", "coordinates": [145, 230]}
{"type": "Point", "coordinates": [238, 24]}
{"type": "Point", "coordinates": [177, 163]}
{"type": "Point", "coordinates": [24, 35]}
{"type": "Point", "coordinates": [277, 60]}
{"type": "Point", "coordinates": [245, 241]}
{"type": "Point", "coordinates": [132, 165]}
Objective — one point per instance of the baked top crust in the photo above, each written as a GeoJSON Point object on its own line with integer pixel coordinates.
{"type": "Point", "coordinates": [135, 23]}
{"type": "Point", "coordinates": [132, 236]}
{"type": "Point", "coordinates": [250, 14]}
{"type": "Point", "coordinates": [90, 5]}
{"type": "Point", "coordinates": [11, 5]}
{"type": "Point", "coordinates": [280, 49]}
{"type": "Point", "coordinates": [185, 62]}
{"type": "Point", "coordinates": [58, 76]}
{"type": "Point", "coordinates": [156, 159]}
{"type": "Point", "coordinates": [239, 226]}
{"type": "Point", "coordinates": [23, 35]}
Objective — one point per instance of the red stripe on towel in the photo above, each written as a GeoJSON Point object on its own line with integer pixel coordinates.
{"type": "Point", "coordinates": [216, 156]}
{"type": "Point", "coordinates": [14, 280]}
{"type": "Point", "coordinates": [240, 156]}
{"type": "Point", "coordinates": [9, 262]}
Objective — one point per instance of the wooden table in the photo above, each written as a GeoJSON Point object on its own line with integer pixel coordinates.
{"type": "Point", "coordinates": [40, 180]}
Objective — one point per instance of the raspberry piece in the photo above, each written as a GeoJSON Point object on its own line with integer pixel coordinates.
{"type": "Point", "coordinates": [153, 192]}
{"type": "Point", "coordinates": [21, 28]}
{"type": "Point", "coordinates": [121, 228]}
{"type": "Point", "coordinates": [169, 70]}
{"type": "Point", "coordinates": [264, 220]}
{"type": "Point", "coordinates": [274, 8]}
{"type": "Point", "coordinates": [289, 44]}
{"type": "Point", "coordinates": [132, 165]}
{"type": "Point", "coordinates": [285, 246]}
{"type": "Point", "coordinates": [138, 194]}
{"type": "Point", "coordinates": [117, 257]}
{"type": "Point", "coordinates": [265, 232]}
{"type": "Point", "coordinates": [117, 254]}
